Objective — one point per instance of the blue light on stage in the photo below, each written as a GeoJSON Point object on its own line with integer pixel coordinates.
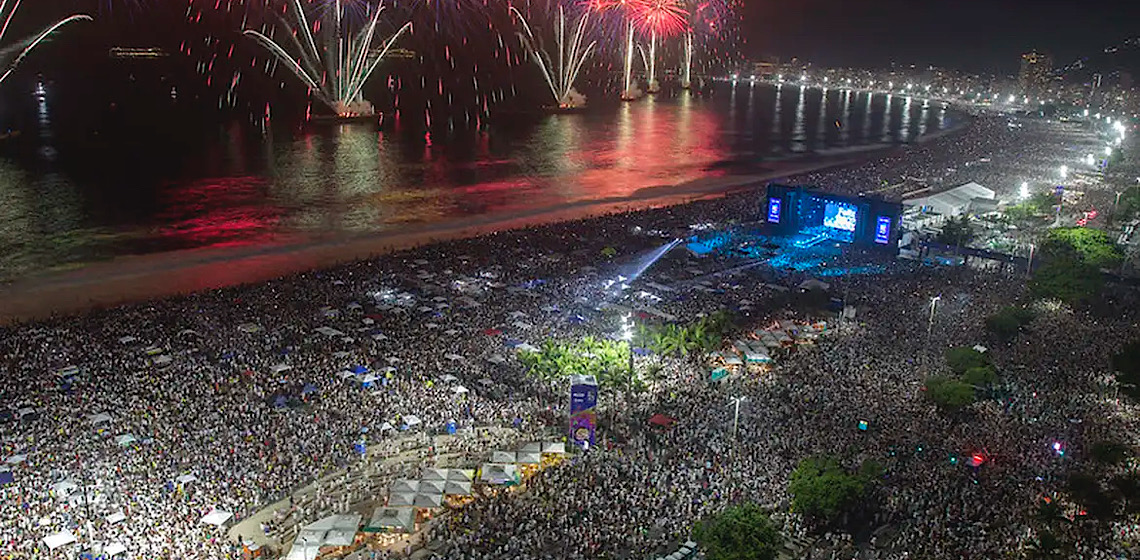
{"type": "Point", "coordinates": [883, 230]}
{"type": "Point", "coordinates": [841, 216]}
{"type": "Point", "coordinates": [774, 210]}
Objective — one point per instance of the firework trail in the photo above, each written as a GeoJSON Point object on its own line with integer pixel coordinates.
{"type": "Point", "coordinates": [573, 52]}
{"type": "Point", "coordinates": [706, 18]}
{"type": "Point", "coordinates": [336, 68]}
{"type": "Point", "coordinates": [627, 11]}
{"type": "Point", "coordinates": [12, 55]}
{"type": "Point", "coordinates": [659, 19]}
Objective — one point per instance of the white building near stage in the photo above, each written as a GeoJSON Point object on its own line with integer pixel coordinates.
{"type": "Point", "coordinates": [956, 201]}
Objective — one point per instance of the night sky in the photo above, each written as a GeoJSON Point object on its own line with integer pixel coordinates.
{"type": "Point", "coordinates": [974, 35]}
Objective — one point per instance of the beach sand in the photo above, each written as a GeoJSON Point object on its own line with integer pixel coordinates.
{"type": "Point", "coordinates": [140, 278]}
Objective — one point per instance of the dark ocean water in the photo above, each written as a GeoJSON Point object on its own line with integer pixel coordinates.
{"type": "Point", "coordinates": [163, 181]}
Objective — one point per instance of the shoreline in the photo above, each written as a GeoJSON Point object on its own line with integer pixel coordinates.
{"type": "Point", "coordinates": [135, 279]}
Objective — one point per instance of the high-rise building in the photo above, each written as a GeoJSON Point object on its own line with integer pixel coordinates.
{"type": "Point", "coordinates": [1034, 75]}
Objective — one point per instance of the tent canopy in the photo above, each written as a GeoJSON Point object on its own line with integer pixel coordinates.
{"type": "Point", "coordinates": [56, 540]}
{"type": "Point", "coordinates": [401, 519]}
{"type": "Point", "coordinates": [216, 517]}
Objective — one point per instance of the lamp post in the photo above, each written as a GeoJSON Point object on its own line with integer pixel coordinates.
{"type": "Point", "coordinates": [627, 336]}
{"type": "Point", "coordinates": [933, 307]}
{"type": "Point", "coordinates": [736, 414]}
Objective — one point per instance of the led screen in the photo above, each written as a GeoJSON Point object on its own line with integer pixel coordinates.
{"type": "Point", "coordinates": [883, 230]}
{"type": "Point", "coordinates": [840, 216]}
{"type": "Point", "coordinates": [774, 210]}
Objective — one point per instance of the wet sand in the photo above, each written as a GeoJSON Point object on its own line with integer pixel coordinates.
{"type": "Point", "coordinates": [146, 277]}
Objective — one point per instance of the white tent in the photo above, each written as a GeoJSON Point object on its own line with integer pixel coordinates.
{"type": "Point", "coordinates": [116, 517]}
{"type": "Point", "coordinates": [503, 457]}
{"type": "Point", "coordinates": [529, 458]}
{"type": "Point", "coordinates": [496, 359]}
{"type": "Point", "coordinates": [125, 440]}
{"type": "Point", "coordinates": [216, 517]}
{"type": "Point", "coordinates": [339, 537]}
{"type": "Point", "coordinates": [448, 378]}
{"type": "Point", "coordinates": [16, 459]}
{"type": "Point", "coordinates": [56, 540]}
{"type": "Point", "coordinates": [404, 486]}
{"type": "Point", "coordinates": [434, 474]}
{"type": "Point", "coordinates": [411, 420]}
{"type": "Point", "coordinates": [64, 488]}
{"type": "Point", "coordinates": [953, 202]}
{"type": "Point", "coordinates": [459, 389]}
{"type": "Point", "coordinates": [428, 500]}
{"type": "Point", "coordinates": [461, 475]}
{"type": "Point", "coordinates": [554, 447]}
{"type": "Point", "coordinates": [454, 357]}
{"type": "Point", "coordinates": [499, 473]}
{"type": "Point", "coordinates": [431, 487]}
{"type": "Point", "coordinates": [114, 548]}
{"type": "Point", "coordinates": [186, 479]}
{"type": "Point", "coordinates": [401, 500]}
{"type": "Point", "coordinates": [531, 447]}
{"type": "Point", "coordinates": [402, 519]}
{"type": "Point", "coordinates": [457, 488]}
{"type": "Point", "coordinates": [100, 418]}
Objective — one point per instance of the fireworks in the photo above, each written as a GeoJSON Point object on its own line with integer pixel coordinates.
{"type": "Point", "coordinates": [659, 19]}
{"type": "Point", "coordinates": [573, 51]}
{"type": "Point", "coordinates": [21, 49]}
{"type": "Point", "coordinates": [336, 67]}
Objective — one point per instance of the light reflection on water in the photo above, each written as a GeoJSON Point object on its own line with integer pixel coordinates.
{"type": "Point", "coordinates": [239, 187]}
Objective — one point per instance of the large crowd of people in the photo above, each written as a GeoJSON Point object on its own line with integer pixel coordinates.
{"type": "Point", "coordinates": [231, 399]}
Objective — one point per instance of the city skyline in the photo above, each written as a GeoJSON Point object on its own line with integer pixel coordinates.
{"type": "Point", "coordinates": [973, 36]}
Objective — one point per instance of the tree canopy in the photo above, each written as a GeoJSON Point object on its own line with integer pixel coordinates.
{"type": "Point", "coordinates": [1071, 262]}
{"type": "Point", "coordinates": [606, 360]}
{"type": "Point", "coordinates": [949, 393]}
{"type": "Point", "coordinates": [962, 358]}
{"type": "Point", "coordinates": [1008, 321]}
{"type": "Point", "coordinates": [741, 532]}
{"type": "Point", "coordinates": [1093, 246]}
{"type": "Point", "coordinates": [823, 490]}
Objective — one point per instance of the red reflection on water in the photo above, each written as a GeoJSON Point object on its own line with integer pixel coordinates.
{"type": "Point", "coordinates": [219, 212]}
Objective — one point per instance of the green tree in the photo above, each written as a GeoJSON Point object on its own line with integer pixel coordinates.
{"type": "Point", "coordinates": [956, 231]}
{"type": "Point", "coordinates": [742, 532]}
{"type": "Point", "coordinates": [1064, 276]}
{"type": "Point", "coordinates": [962, 358]}
{"type": "Point", "coordinates": [949, 393]}
{"type": "Point", "coordinates": [980, 376]}
{"type": "Point", "coordinates": [1094, 247]}
{"type": "Point", "coordinates": [822, 489]}
{"type": "Point", "coordinates": [1008, 322]}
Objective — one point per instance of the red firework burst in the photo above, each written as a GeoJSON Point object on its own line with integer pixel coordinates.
{"type": "Point", "coordinates": [663, 17]}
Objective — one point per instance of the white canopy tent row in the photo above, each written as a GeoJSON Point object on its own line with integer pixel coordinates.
{"type": "Point", "coordinates": [334, 530]}
{"type": "Point", "coordinates": [499, 473]}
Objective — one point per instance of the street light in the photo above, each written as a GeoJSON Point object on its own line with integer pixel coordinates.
{"type": "Point", "coordinates": [736, 415]}
{"type": "Point", "coordinates": [933, 307]}
{"type": "Point", "coordinates": [627, 336]}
